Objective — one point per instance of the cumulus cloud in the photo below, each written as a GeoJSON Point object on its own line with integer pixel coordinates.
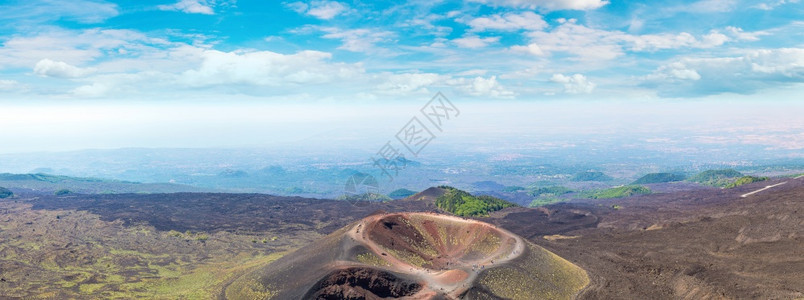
{"type": "Point", "coordinates": [77, 47]}
{"type": "Point", "coordinates": [739, 34]}
{"type": "Point", "coordinates": [480, 87]}
{"type": "Point", "coordinates": [674, 71]}
{"type": "Point", "coordinates": [324, 10]}
{"type": "Point", "coordinates": [574, 84]}
{"type": "Point", "coordinates": [266, 68]}
{"type": "Point", "coordinates": [590, 44]}
{"type": "Point", "coordinates": [548, 5]}
{"type": "Point", "coordinates": [190, 7]}
{"type": "Point", "coordinates": [756, 70]}
{"type": "Point", "coordinates": [508, 22]}
{"type": "Point", "coordinates": [532, 49]}
{"type": "Point", "coordinates": [59, 69]}
{"type": "Point", "coordinates": [474, 42]}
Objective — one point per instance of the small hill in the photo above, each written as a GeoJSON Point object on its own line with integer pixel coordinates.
{"type": "Point", "coordinates": [554, 190]}
{"type": "Point", "coordinates": [590, 176]}
{"type": "Point", "coordinates": [414, 256]}
{"type": "Point", "coordinates": [461, 203]}
{"type": "Point", "coordinates": [745, 180]}
{"type": "Point", "coordinates": [48, 178]}
{"type": "Point", "coordinates": [659, 178]}
{"type": "Point", "coordinates": [401, 194]}
{"type": "Point", "coordinates": [5, 193]}
{"type": "Point", "coordinates": [274, 171]}
{"type": "Point", "coordinates": [621, 192]}
{"type": "Point", "coordinates": [718, 178]}
{"type": "Point", "coordinates": [46, 183]}
{"type": "Point", "coordinates": [428, 195]}
{"type": "Point", "coordinates": [547, 195]}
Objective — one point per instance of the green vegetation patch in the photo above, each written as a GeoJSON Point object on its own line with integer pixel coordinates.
{"type": "Point", "coordinates": [549, 191]}
{"type": "Point", "coordinates": [461, 203]}
{"type": "Point", "coordinates": [620, 192]}
{"type": "Point", "coordinates": [542, 201]}
{"type": "Point", "coordinates": [719, 178]}
{"type": "Point", "coordinates": [591, 176]}
{"type": "Point", "coordinates": [745, 180]}
{"type": "Point", "coordinates": [660, 178]}
{"type": "Point", "coordinates": [371, 197]}
{"type": "Point", "coordinates": [5, 193]}
{"type": "Point", "coordinates": [63, 192]}
{"type": "Point", "coordinates": [372, 260]}
{"type": "Point", "coordinates": [547, 195]}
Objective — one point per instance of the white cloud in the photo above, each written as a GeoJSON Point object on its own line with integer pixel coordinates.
{"type": "Point", "coordinates": [266, 68]}
{"type": "Point", "coordinates": [59, 69]}
{"type": "Point", "coordinates": [674, 71]}
{"type": "Point", "coordinates": [299, 7]}
{"type": "Point", "coordinates": [356, 40]}
{"type": "Point", "coordinates": [94, 90]}
{"type": "Point", "coordinates": [9, 85]}
{"type": "Point", "coordinates": [756, 70]}
{"type": "Point", "coordinates": [508, 22]}
{"type": "Point", "coordinates": [741, 35]}
{"type": "Point", "coordinates": [77, 47]}
{"type": "Point", "coordinates": [575, 84]}
{"type": "Point", "coordinates": [769, 5]}
{"type": "Point", "coordinates": [532, 49]}
{"type": "Point", "coordinates": [190, 7]}
{"type": "Point", "coordinates": [474, 42]}
{"type": "Point", "coordinates": [590, 44]}
{"type": "Point", "coordinates": [408, 83]}
{"type": "Point", "coordinates": [548, 5]}
{"type": "Point", "coordinates": [426, 22]}
{"type": "Point", "coordinates": [39, 11]}
{"type": "Point", "coordinates": [706, 6]}
{"type": "Point", "coordinates": [480, 87]}
{"type": "Point", "coordinates": [324, 10]}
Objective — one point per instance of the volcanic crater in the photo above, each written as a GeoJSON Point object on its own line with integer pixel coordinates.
{"type": "Point", "coordinates": [415, 256]}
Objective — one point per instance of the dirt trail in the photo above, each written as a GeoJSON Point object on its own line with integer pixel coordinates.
{"type": "Point", "coordinates": [762, 189]}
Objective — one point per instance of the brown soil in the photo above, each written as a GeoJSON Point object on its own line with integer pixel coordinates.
{"type": "Point", "coordinates": [362, 283]}
{"type": "Point", "coordinates": [697, 244]}
{"type": "Point", "coordinates": [706, 243]}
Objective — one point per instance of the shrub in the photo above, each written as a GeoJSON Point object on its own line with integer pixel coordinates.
{"type": "Point", "coordinates": [5, 193]}
{"type": "Point", "coordinates": [745, 180]}
{"type": "Point", "coordinates": [63, 192]}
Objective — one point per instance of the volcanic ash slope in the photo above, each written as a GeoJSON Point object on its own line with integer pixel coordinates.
{"type": "Point", "coordinates": [415, 256]}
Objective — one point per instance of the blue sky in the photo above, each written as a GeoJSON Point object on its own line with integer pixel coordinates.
{"type": "Point", "coordinates": [101, 74]}
{"type": "Point", "coordinates": [343, 51]}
